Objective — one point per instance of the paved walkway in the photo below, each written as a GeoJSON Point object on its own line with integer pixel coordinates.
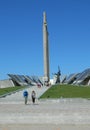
{"type": "Point", "coordinates": [51, 114]}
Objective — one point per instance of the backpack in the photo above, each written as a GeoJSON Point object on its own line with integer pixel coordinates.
{"type": "Point", "coordinates": [25, 93]}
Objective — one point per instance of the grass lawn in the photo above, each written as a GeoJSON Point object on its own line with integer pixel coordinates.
{"type": "Point", "coordinates": [67, 91]}
{"type": "Point", "coordinates": [10, 89]}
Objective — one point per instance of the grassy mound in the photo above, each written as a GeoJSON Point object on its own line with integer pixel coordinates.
{"type": "Point", "coordinates": [10, 89]}
{"type": "Point", "coordinates": [67, 91]}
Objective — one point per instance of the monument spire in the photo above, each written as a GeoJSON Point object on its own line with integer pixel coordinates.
{"type": "Point", "coordinates": [45, 49]}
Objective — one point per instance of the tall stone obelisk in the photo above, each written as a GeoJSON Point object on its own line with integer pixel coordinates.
{"type": "Point", "coordinates": [45, 49]}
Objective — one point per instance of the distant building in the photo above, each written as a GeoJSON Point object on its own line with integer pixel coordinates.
{"type": "Point", "coordinates": [82, 78]}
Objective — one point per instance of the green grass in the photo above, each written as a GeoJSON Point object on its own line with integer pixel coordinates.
{"type": "Point", "coordinates": [67, 91]}
{"type": "Point", "coordinates": [10, 89]}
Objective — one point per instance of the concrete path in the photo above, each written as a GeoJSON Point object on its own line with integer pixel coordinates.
{"type": "Point", "coordinates": [51, 114]}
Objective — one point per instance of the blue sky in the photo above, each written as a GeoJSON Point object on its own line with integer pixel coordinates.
{"type": "Point", "coordinates": [21, 38]}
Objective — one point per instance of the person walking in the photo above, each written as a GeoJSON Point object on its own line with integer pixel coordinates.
{"type": "Point", "coordinates": [25, 94]}
{"type": "Point", "coordinates": [33, 96]}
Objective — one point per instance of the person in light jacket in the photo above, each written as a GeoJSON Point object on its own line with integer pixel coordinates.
{"type": "Point", "coordinates": [33, 96]}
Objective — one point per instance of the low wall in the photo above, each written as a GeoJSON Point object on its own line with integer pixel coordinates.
{"type": "Point", "coordinates": [6, 83]}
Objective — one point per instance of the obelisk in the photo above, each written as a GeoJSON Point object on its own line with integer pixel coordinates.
{"type": "Point", "coordinates": [45, 49]}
